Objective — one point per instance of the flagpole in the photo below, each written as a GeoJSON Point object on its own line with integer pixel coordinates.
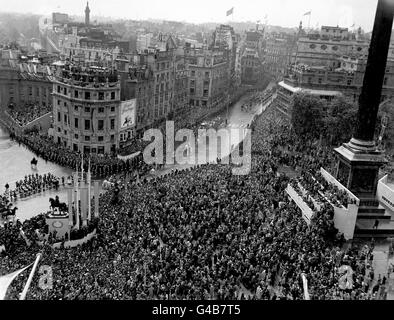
{"type": "Point", "coordinates": [89, 191]}
{"type": "Point", "coordinates": [33, 270]}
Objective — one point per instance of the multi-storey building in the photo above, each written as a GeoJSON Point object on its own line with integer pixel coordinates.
{"type": "Point", "coordinates": [86, 109]}
{"type": "Point", "coordinates": [251, 57]}
{"type": "Point", "coordinates": [347, 80]}
{"type": "Point", "coordinates": [209, 77]}
{"type": "Point", "coordinates": [138, 86]}
{"type": "Point", "coordinates": [224, 38]}
{"type": "Point", "coordinates": [251, 66]}
{"type": "Point", "coordinates": [278, 52]}
{"type": "Point", "coordinates": [24, 83]}
{"type": "Point", "coordinates": [181, 85]}
{"type": "Point", "coordinates": [145, 41]}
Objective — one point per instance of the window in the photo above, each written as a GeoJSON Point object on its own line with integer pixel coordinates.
{"type": "Point", "coordinates": [101, 95]}
{"type": "Point", "coordinates": [58, 89]}
{"type": "Point", "coordinates": [58, 117]}
{"type": "Point", "coordinates": [87, 95]}
{"type": "Point", "coordinates": [112, 137]}
{"type": "Point", "coordinates": [87, 138]}
{"type": "Point", "coordinates": [65, 132]}
{"type": "Point", "coordinates": [324, 47]}
{"type": "Point", "coordinates": [100, 138]}
{"type": "Point", "coordinates": [65, 91]}
{"type": "Point", "coordinates": [75, 147]}
{"type": "Point", "coordinates": [193, 73]}
{"type": "Point", "coordinates": [112, 95]}
{"type": "Point", "coordinates": [65, 119]}
{"type": "Point", "coordinates": [385, 81]}
{"type": "Point", "coordinates": [76, 108]}
{"type": "Point", "coordinates": [207, 74]}
{"type": "Point", "coordinates": [112, 124]}
{"type": "Point", "coordinates": [312, 46]}
{"type": "Point", "coordinates": [76, 93]}
{"type": "Point", "coordinates": [206, 83]}
{"type": "Point", "coordinates": [101, 110]}
{"type": "Point", "coordinates": [87, 124]}
{"type": "Point", "coordinates": [100, 125]}
{"type": "Point", "coordinates": [87, 109]}
{"type": "Point", "coordinates": [59, 129]}
{"type": "Point", "coordinates": [205, 93]}
{"type": "Point", "coordinates": [58, 102]}
{"type": "Point", "coordinates": [76, 136]}
{"type": "Point", "coordinates": [100, 150]}
{"type": "Point", "coordinates": [76, 123]}
{"type": "Point", "coordinates": [335, 48]}
{"type": "Point", "coordinates": [112, 109]}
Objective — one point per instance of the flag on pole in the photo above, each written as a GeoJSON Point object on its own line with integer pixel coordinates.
{"type": "Point", "coordinates": [230, 12]}
{"type": "Point", "coordinates": [307, 13]}
{"type": "Point", "coordinates": [352, 25]}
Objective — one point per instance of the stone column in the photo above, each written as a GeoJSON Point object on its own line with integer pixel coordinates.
{"type": "Point", "coordinates": [369, 99]}
{"type": "Point", "coordinates": [361, 153]}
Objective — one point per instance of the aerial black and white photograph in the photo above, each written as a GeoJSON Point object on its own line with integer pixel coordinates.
{"type": "Point", "coordinates": [211, 150]}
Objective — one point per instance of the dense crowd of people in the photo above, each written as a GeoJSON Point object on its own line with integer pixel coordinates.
{"type": "Point", "coordinates": [101, 165]}
{"type": "Point", "coordinates": [321, 190]}
{"type": "Point", "coordinates": [28, 113]}
{"type": "Point", "coordinates": [204, 233]}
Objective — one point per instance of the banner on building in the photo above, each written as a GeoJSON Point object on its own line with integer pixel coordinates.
{"type": "Point", "coordinates": [127, 113]}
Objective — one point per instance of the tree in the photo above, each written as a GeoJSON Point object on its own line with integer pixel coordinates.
{"type": "Point", "coordinates": [307, 114]}
{"type": "Point", "coordinates": [332, 120]}
{"type": "Point", "coordinates": [340, 120]}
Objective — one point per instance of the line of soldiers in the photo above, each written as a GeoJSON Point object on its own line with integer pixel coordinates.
{"type": "Point", "coordinates": [101, 165]}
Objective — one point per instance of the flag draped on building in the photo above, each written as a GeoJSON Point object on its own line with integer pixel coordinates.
{"type": "Point", "coordinates": [230, 12]}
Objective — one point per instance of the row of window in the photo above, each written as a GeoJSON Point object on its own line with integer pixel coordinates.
{"type": "Point", "coordinates": [87, 109]}
{"type": "Point", "coordinates": [87, 94]}
{"type": "Point", "coordinates": [87, 122]}
{"type": "Point", "coordinates": [162, 65]}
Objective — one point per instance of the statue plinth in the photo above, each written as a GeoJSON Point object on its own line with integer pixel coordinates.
{"type": "Point", "coordinates": [358, 167]}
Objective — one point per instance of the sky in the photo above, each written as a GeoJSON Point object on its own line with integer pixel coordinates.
{"type": "Point", "coordinates": [286, 13]}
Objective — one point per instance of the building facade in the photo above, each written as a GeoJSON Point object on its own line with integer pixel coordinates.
{"type": "Point", "coordinates": [86, 110]}
{"type": "Point", "coordinates": [209, 77]}
{"type": "Point", "coordinates": [24, 83]}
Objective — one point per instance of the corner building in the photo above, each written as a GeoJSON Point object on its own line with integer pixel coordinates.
{"type": "Point", "coordinates": [86, 110]}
